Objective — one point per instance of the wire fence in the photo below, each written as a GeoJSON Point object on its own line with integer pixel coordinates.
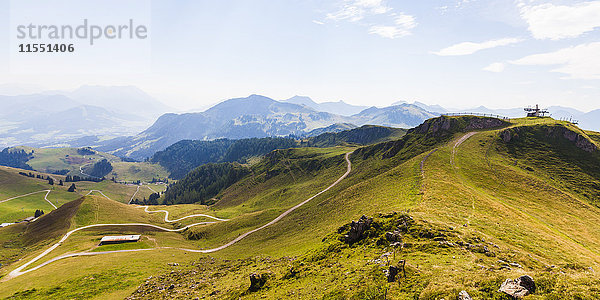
{"type": "Point", "coordinates": [477, 114]}
{"type": "Point", "coordinates": [570, 120]}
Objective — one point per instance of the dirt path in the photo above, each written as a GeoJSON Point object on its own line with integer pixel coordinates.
{"type": "Point", "coordinates": [190, 216]}
{"type": "Point", "coordinates": [152, 189]}
{"type": "Point", "coordinates": [19, 271]}
{"type": "Point", "coordinates": [46, 198]}
{"type": "Point", "coordinates": [91, 191]}
{"type": "Point", "coordinates": [136, 191]}
{"type": "Point", "coordinates": [453, 163]}
{"type": "Point", "coordinates": [239, 238]}
{"type": "Point", "coordinates": [457, 144]}
{"type": "Point", "coordinates": [16, 197]}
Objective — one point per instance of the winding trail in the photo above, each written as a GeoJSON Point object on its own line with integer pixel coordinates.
{"type": "Point", "coordinates": [47, 191]}
{"type": "Point", "coordinates": [46, 198]}
{"type": "Point", "coordinates": [239, 238]}
{"type": "Point", "coordinates": [91, 191]}
{"type": "Point", "coordinates": [454, 167]}
{"type": "Point", "coordinates": [85, 174]}
{"type": "Point", "coordinates": [19, 271]}
{"type": "Point", "coordinates": [29, 194]}
{"type": "Point", "coordinates": [458, 143]}
{"type": "Point", "coordinates": [151, 189]}
{"type": "Point", "coordinates": [190, 216]}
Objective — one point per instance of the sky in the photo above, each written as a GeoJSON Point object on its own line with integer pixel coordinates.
{"type": "Point", "coordinates": [455, 53]}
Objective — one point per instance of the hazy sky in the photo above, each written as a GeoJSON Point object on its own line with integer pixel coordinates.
{"type": "Point", "coordinates": [456, 53]}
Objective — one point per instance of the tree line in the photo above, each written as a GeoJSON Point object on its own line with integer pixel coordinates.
{"type": "Point", "coordinates": [183, 156]}
{"type": "Point", "coordinates": [204, 183]}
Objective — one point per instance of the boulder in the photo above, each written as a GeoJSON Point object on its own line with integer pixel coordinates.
{"type": "Point", "coordinates": [519, 287]}
{"type": "Point", "coordinates": [257, 281]}
{"type": "Point", "coordinates": [357, 229]}
{"type": "Point", "coordinates": [463, 295]}
{"type": "Point", "coordinates": [395, 236]}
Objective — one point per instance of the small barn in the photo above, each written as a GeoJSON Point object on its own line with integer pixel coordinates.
{"type": "Point", "coordinates": [119, 239]}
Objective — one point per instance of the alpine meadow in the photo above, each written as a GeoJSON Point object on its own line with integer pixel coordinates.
{"type": "Point", "coordinates": [450, 150]}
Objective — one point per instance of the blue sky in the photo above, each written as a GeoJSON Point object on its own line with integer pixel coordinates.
{"type": "Point", "coordinates": [457, 53]}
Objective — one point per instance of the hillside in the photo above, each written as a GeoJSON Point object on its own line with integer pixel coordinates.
{"type": "Point", "coordinates": [21, 196]}
{"type": "Point", "coordinates": [479, 205]}
{"type": "Point", "coordinates": [465, 202]}
{"type": "Point", "coordinates": [84, 162]}
{"type": "Point", "coordinates": [364, 135]}
{"type": "Point", "coordinates": [183, 156]}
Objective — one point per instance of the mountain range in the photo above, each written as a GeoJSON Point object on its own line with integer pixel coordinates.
{"type": "Point", "coordinates": [127, 122]}
{"type": "Point", "coordinates": [254, 116]}
{"type": "Point", "coordinates": [339, 108]}
{"type": "Point", "coordinates": [56, 118]}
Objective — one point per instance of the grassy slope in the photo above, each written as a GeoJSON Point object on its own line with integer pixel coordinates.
{"type": "Point", "coordinates": [55, 159]}
{"type": "Point", "coordinates": [12, 184]}
{"type": "Point", "coordinates": [534, 221]}
{"type": "Point", "coordinates": [92, 210]}
{"type": "Point", "coordinates": [133, 171]}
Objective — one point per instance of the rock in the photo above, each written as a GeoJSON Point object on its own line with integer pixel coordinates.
{"type": "Point", "coordinates": [357, 229]}
{"type": "Point", "coordinates": [506, 136]}
{"type": "Point", "coordinates": [257, 281]}
{"type": "Point", "coordinates": [519, 287]}
{"type": "Point", "coordinates": [391, 274]}
{"type": "Point", "coordinates": [397, 245]}
{"type": "Point", "coordinates": [463, 295]}
{"type": "Point", "coordinates": [516, 265]}
{"type": "Point", "coordinates": [395, 236]}
{"type": "Point", "coordinates": [580, 141]}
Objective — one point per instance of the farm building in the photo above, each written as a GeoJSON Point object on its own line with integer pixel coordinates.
{"type": "Point", "coordinates": [118, 239]}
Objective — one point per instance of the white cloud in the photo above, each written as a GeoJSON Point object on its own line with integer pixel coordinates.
{"type": "Point", "coordinates": [402, 26]}
{"type": "Point", "coordinates": [390, 32]}
{"type": "Point", "coordinates": [579, 62]}
{"type": "Point", "coordinates": [398, 24]}
{"type": "Point", "coordinates": [467, 48]}
{"type": "Point", "coordinates": [356, 10]}
{"type": "Point", "coordinates": [554, 22]}
{"type": "Point", "coordinates": [405, 21]}
{"type": "Point", "coordinates": [495, 67]}
{"type": "Point", "coordinates": [318, 22]}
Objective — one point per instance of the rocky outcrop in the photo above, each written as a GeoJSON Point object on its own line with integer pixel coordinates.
{"type": "Point", "coordinates": [442, 124]}
{"type": "Point", "coordinates": [580, 141]}
{"type": "Point", "coordinates": [555, 132]}
{"type": "Point", "coordinates": [357, 230]}
{"type": "Point", "coordinates": [506, 135]}
{"type": "Point", "coordinates": [394, 236]}
{"type": "Point", "coordinates": [485, 123]}
{"type": "Point", "coordinates": [257, 281]}
{"type": "Point", "coordinates": [519, 287]}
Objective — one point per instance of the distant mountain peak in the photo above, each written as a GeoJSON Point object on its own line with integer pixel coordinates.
{"type": "Point", "coordinates": [302, 100]}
